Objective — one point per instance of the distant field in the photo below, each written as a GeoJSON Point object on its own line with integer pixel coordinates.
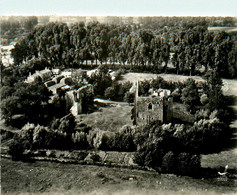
{"type": "Point", "coordinates": [109, 118]}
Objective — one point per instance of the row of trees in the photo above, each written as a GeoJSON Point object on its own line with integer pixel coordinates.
{"type": "Point", "coordinates": [187, 51]}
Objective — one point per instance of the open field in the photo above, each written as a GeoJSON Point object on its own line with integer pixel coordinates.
{"type": "Point", "coordinates": [55, 178]}
{"type": "Point", "coordinates": [229, 88]}
{"type": "Point", "coordinates": [111, 117]}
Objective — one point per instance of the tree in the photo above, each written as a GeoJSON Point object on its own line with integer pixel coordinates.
{"type": "Point", "coordinates": [169, 162]}
{"type": "Point", "coordinates": [156, 52]}
{"type": "Point", "coordinates": [30, 22]}
{"type": "Point", "coordinates": [124, 139]}
{"type": "Point", "coordinates": [113, 49]}
{"type": "Point", "coordinates": [122, 55]}
{"type": "Point", "coordinates": [29, 100]}
{"type": "Point", "coordinates": [232, 61]}
{"type": "Point", "coordinates": [21, 142]}
{"type": "Point", "coordinates": [190, 94]}
{"type": "Point", "coordinates": [5, 92]}
{"type": "Point", "coordinates": [101, 80]}
{"type": "Point", "coordinates": [165, 54]}
{"type": "Point", "coordinates": [188, 164]}
{"type": "Point", "coordinates": [20, 52]}
{"type": "Point", "coordinates": [87, 100]}
{"type": "Point", "coordinates": [67, 124]}
{"type": "Point", "coordinates": [214, 91]}
{"type": "Point", "coordinates": [9, 107]}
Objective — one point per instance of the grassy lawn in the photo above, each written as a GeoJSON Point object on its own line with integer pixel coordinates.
{"type": "Point", "coordinates": [57, 178]}
{"type": "Point", "coordinates": [109, 118]}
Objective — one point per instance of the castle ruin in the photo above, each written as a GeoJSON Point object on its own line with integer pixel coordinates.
{"type": "Point", "coordinates": [156, 107]}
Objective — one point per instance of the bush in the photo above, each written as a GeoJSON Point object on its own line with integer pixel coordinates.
{"type": "Point", "coordinates": [169, 163]}
{"type": "Point", "coordinates": [110, 93]}
{"type": "Point", "coordinates": [102, 140]}
{"type": "Point", "coordinates": [124, 139]}
{"type": "Point", "coordinates": [17, 148]}
{"type": "Point", "coordinates": [158, 83]}
{"type": "Point", "coordinates": [176, 94]}
{"type": "Point", "coordinates": [66, 124]}
{"type": "Point", "coordinates": [188, 164]}
{"type": "Point", "coordinates": [79, 140]}
{"type": "Point", "coordinates": [203, 137]}
{"type": "Point", "coordinates": [21, 142]}
{"type": "Point", "coordinates": [45, 138]}
{"type": "Point", "coordinates": [144, 87]}
{"type": "Point", "coordinates": [202, 114]}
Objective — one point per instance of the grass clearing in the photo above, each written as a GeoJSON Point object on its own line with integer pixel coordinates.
{"type": "Point", "coordinates": [229, 88]}
{"type": "Point", "coordinates": [109, 118]}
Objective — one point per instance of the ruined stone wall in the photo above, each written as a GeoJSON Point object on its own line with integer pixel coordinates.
{"type": "Point", "coordinates": [78, 96]}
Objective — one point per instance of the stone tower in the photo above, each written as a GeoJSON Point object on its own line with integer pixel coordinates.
{"type": "Point", "coordinates": [156, 107]}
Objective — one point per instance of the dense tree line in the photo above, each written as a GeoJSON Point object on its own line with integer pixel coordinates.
{"type": "Point", "coordinates": [185, 22]}
{"type": "Point", "coordinates": [14, 27]}
{"type": "Point", "coordinates": [187, 50]}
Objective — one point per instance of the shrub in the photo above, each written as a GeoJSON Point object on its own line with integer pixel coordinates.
{"type": "Point", "coordinates": [110, 93]}
{"type": "Point", "coordinates": [95, 158]}
{"type": "Point", "coordinates": [55, 124]}
{"type": "Point", "coordinates": [49, 139]}
{"type": "Point", "coordinates": [21, 142]}
{"type": "Point", "coordinates": [157, 83]}
{"type": "Point", "coordinates": [144, 87]}
{"type": "Point", "coordinates": [202, 114]}
{"type": "Point", "coordinates": [124, 139]}
{"type": "Point", "coordinates": [67, 124]}
{"type": "Point", "coordinates": [169, 162]}
{"type": "Point", "coordinates": [102, 140]}
{"type": "Point", "coordinates": [79, 140]}
{"type": "Point", "coordinates": [188, 164]}
{"type": "Point", "coordinates": [17, 148]}
{"type": "Point", "coordinates": [118, 74]}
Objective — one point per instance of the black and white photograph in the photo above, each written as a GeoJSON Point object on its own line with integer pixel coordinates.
{"type": "Point", "coordinates": [118, 97]}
